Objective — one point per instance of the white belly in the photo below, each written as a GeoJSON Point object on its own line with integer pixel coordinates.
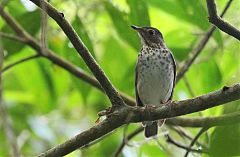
{"type": "Point", "coordinates": [155, 84]}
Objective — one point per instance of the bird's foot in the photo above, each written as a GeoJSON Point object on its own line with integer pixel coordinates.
{"type": "Point", "coordinates": [167, 102]}
{"type": "Point", "coordinates": [102, 114]}
{"type": "Point", "coordinates": [150, 107]}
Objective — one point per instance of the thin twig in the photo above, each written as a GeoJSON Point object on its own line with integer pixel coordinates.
{"type": "Point", "coordinates": [170, 140]}
{"type": "Point", "coordinates": [19, 62]}
{"type": "Point", "coordinates": [197, 50]}
{"type": "Point", "coordinates": [129, 137]}
{"type": "Point", "coordinates": [196, 138]}
{"type": "Point", "coordinates": [219, 22]}
{"type": "Point", "coordinates": [184, 134]}
{"type": "Point", "coordinates": [12, 37]}
{"type": "Point", "coordinates": [189, 87]}
{"type": "Point", "coordinates": [192, 95]}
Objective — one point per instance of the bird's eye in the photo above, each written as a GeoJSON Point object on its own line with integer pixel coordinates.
{"type": "Point", "coordinates": [151, 32]}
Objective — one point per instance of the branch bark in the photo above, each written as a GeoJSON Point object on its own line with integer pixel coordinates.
{"type": "Point", "coordinates": [137, 114]}
{"type": "Point", "coordinates": [219, 22]}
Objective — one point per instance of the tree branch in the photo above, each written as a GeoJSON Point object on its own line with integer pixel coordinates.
{"type": "Point", "coordinates": [111, 92]}
{"type": "Point", "coordinates": [219, 22]}
{"type": "Point", "coordinates": [227, 119]}
{"type": "Point", "coordinates": [19, 62]}
{"type": "Point", "coordinates": [118, 118]}
{"type": "Point", "coordinates": [196, 51]}
{"type": "Point", "coordinates": [206, 122]}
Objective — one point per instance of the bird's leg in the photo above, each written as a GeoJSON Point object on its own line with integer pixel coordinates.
{"type": "Point", "coordinates": [166, 102]}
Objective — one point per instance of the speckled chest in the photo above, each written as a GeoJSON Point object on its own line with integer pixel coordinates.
{"type": "Point", "coordinates": [155, 74]}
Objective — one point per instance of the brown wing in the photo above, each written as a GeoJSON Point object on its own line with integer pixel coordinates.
{"type": "Point", "coordinates": [174, 79]}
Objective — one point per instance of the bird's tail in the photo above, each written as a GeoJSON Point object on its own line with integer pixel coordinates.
{"type": "Point", "coordinates": [151, 129]}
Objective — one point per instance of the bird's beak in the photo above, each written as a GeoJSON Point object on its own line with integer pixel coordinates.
{"type": "Point", "coordinates": [136, 28]}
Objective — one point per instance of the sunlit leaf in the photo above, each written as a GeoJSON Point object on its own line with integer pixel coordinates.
{"type": "Point", "coordinates": [139, 12]}
{"type": "Point", "coordinates": [186, 10]}
{"type": "Point", "coordinates": [82, 32]}
{"type": "Point", "coordinates": [225, 141]}
{"type": "Point", "coordinates": [122, 25]}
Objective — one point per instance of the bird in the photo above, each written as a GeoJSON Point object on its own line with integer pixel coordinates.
{"type": "Point", "coordinates": [155, 74]}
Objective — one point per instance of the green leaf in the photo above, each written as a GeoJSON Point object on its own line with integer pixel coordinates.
{"type": "Point", "coordinates": [211, 76]}
{"type": "Point", "coordinates": [114, 55]}
{"type": "Point", "coordinates": [19, 10]}
{"type": "Point", "coordinates": [218, 37]}
{"type": "Point", "coordinates": [47, 78]}
{"type": "Point", "coordinates": [139, 12]}
{"type": "Point", "coordinates": [71, 55]}
{"type": "Point", "coordinates": [82, 32]}
{"type": "Point", "coordinates": [184, 10]}
{"type": "Point", "coordinates": [122, 25]}
{"type": "Point", "coordinates": [225, 141]}
{"type": "Point", "coordinates": [30, 21]}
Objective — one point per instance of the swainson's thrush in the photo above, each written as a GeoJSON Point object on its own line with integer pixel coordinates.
{"type": "Point", "coordinates": [155, 73]}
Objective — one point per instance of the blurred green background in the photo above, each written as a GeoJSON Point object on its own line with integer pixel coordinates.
{"type": "Point", "coordinates": [48, 105]}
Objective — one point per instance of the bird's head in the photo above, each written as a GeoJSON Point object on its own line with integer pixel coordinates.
{"type": "Point", "coordinates": [150, 36]}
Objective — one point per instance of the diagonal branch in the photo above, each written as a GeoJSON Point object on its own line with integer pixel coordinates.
{"type": "Point", "coordinates": [200, 46]}
{"type": "Point", "coordinates": [76, 71]}
{"type": "Point", "coordinates": [111, 92]}
{"type": "Point", "coordinates": [219, 22]}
